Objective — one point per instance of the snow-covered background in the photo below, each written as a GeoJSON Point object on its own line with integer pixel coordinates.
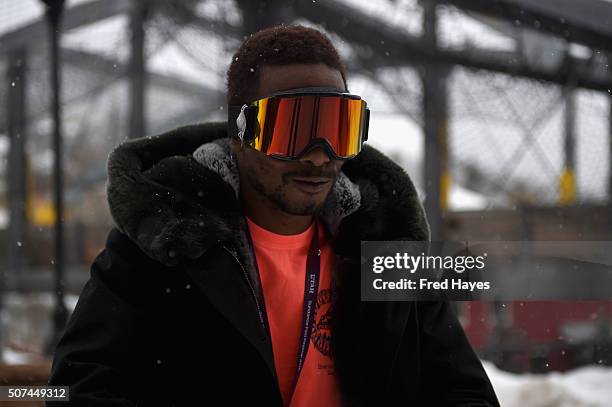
{"type": "Point", "coordinates": [589, 386]}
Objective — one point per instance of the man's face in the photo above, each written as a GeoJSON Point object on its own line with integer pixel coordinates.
{"type": "Point", "coordinates": [278, 181]}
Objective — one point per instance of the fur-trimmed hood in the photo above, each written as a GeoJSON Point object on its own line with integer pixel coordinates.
{"type": "Point", "coordinates": [176, 194]}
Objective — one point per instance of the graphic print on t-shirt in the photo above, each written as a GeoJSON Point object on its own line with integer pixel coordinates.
{"type": "Point", "coordinates": [321, 331]}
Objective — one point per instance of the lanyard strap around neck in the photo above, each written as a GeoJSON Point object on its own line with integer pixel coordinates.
{"type": "Point", "coordinates": [311, 289]}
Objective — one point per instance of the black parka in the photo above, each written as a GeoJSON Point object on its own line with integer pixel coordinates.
{"type": "Point", "coordinates": [169, 315]}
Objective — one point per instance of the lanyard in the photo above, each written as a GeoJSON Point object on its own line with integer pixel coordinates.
{"type": "Point", "coordinates": [311, 289]}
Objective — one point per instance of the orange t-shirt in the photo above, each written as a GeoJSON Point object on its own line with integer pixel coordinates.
{"type": "Point", "coordinates": [281, 260]}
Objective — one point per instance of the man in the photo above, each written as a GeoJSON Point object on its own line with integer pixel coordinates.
{"type": "Point", "coordinates": [232, 275]}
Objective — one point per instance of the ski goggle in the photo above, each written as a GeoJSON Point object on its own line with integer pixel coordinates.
{"type": "Point", "coordinates": [287, 125]}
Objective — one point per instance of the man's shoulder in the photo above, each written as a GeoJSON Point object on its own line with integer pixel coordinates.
{"type": "Point", "coordinates": [124, 268]}
{"type": "Point", "coordinates": [124, 251]}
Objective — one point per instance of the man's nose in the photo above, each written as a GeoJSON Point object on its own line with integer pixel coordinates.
{"type": "Point", "coordinates": [317, 156]}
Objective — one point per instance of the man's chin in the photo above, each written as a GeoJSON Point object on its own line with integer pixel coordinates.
{"type": "Point", "coordinates": [303, 207]}
{"type": "Point", "coordinates": [302, 211]}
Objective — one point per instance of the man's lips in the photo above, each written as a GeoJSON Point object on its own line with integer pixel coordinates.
{"type": "Point", "coordinates": [312, 179]}
{"type": "Point", "coordinates": [312, 184]}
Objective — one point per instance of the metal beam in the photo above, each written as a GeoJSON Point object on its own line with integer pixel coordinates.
{"type": "Point", "coordinates": [404, 49]}
{"type": "Point", "coordinates": [74, 17]}
{"type": "Point", "coordinates": [262, 14]}
{"type": "Point", "coordinates": [610, 166]}
{"type": "Point", "coordinates": [17, 169]}
{"type": "Point", "coordinates": [434, 111]}
{"type": "Point", "coordinates": [587, 22]}
{"type": "Point", "coordinates": [17, 163]}
{"type": "Point", "coordinates": [60, 312]}
{"type": "Point", "coordinates": [567, 184]}
{"type": "Point", "coordinates": [102, 65]}
{"type": "Point", "coordinates": [137, 72]}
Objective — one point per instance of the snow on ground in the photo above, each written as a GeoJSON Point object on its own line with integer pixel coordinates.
{"type": "Point", "coordinates": [11, 356]}
{"type": "Point", "coordinates": [26, 323]}
{"type": "Point", "coordinates": [589, 386]}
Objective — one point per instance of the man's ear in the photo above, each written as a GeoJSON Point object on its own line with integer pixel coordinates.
{"type": "Point", "coordinates": [236, 146]}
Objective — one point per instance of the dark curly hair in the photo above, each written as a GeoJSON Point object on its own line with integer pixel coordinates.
{"type": "Point", "coordinates": [278, 45]}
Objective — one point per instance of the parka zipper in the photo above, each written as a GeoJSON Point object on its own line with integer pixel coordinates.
{"type": "Point", "coordinates": [259, 310]}
{"type": "Point", "coordinates": [252, 289]}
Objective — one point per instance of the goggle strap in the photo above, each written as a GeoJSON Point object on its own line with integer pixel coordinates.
{"type": "Point", "coordinates": [366, 124]}
{"type": "Point", "coordinates": [232, 113]}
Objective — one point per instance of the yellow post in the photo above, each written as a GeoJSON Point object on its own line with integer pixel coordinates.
{"type": "Point", "coordinates": [567, 187]}
{"type": "Point", "coordinates": [445, 184]}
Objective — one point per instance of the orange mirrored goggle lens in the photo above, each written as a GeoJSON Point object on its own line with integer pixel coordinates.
{"type": "Point", "coordinates": [285, 126]}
